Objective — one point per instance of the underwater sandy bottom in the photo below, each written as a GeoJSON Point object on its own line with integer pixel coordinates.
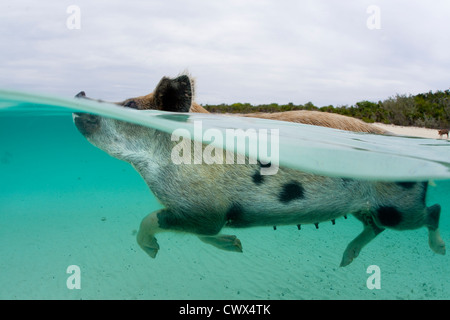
{"type": "Point", "coordinates": [63, 202]}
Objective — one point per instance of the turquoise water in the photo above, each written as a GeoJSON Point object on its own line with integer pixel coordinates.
{"type": "Point", "coordinates": [64, 202]}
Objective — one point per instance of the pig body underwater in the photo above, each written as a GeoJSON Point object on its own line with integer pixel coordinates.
{"type": "Point", "coordinates": [203, 199]}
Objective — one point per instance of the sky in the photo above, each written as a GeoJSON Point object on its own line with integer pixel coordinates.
{"type": "Point", "coordinates": [326, 52]}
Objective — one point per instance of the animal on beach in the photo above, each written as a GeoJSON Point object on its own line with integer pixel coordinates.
{"type": "Point", "coordinates": [202, 199]}
{"type": "Point", "coordinates": [442, 132]}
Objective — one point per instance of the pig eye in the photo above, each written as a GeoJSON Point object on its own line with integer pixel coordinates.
{"type": "Point", "coordinates": [131, 104]}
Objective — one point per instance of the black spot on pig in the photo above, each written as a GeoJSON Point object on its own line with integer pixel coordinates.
{"type": "Point", "coordinates": [291, 191]}
{"type": "Point", "coordinates": [406, 185]}
{"type": "Point", "coordinates": [389, 216]}
{"type": "Point", "coordinates": [264, 165]}
{"type": "Point", "coordinates": [235, 215]}
{"type": "Point", "coordinates": [258, 178]}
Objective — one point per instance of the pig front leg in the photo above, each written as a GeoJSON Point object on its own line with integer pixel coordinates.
{"type": "Point", "coordinates": [224, 242]}
{"type": "Point", "coordinates": [435, 241]}
{"type": "Point", "coordinates": [193, 222]}
{"type": "Point", "coordinates": [432, 223]}
{"type": "Point", "coordinates": [146, 234]}
{"type": "Point", "coordinates": [370, 231]}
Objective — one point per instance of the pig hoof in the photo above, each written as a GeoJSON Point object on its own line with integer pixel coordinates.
{"type": "Point", "coordinates": [439, 248]}
{"type": "Point", "coordinates": [151, 251]}
{"type": "Point", "coordinates": [224, 242]}
{"type": "Point", "coordinates": [231, 243]}
{"type": "Point", "coordinates": [435, 241]}
{"type": "Point", "coordinates": [150, 247]}
{"type": "Point", "coordinates": [349, 255]}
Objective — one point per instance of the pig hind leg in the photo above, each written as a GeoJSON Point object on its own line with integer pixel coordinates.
{"type": "Point", "coordinates": [370, 231]}
{"type": "Point", "coordinates": [432, 223]}
{"type": "Point", "coordinates": [391, 217]}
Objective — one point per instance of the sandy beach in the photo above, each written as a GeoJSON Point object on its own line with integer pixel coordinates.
{"type": "Point", "coordinates": [411, 131]}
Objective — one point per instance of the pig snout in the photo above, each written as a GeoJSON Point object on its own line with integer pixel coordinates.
{"type": "Point", "coordinates": [86, 123]}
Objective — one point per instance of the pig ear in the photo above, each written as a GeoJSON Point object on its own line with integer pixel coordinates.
{"type": "Point", "coordinates": [174, 94]}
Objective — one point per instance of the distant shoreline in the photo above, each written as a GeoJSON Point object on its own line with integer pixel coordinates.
{"type": "Point", "coordinates": [411, 131]}
{"type": "Point", "coordinates": [430, 110]}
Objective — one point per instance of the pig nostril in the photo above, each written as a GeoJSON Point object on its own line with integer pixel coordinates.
{"type": "Point", "coordinates": [86, 117]}
{"type": "Point", "coordinates": [86, 123]}
{"type": "Point", "coordinates": [131, 104]}
{"type": "Point", "coordinates": [92, 119]}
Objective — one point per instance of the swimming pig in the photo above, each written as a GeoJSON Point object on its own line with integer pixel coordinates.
{"type": "Point", "coordinates": [204, 198]}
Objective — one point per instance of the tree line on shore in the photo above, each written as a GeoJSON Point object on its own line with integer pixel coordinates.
{"type": "Point", "coordinates": [430, 110]}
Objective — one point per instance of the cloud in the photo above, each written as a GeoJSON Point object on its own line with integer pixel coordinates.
{"type": "Point", "coordinates": [239, 51]}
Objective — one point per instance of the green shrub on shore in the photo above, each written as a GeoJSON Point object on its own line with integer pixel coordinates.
{"type": "Point", "coordinates": [431, 110]}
